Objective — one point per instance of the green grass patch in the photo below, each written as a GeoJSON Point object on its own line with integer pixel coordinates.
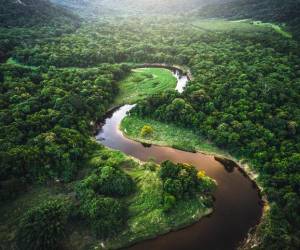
{"type": "Point", "coordinates": [244, 25]}
{"type": "Point", "coordinates": [273, 26]}
{"type": "Point", "coordinates": [144, 82]}
{"type": "Point", "coordinates": [12, 61]}
{"type": "Point", "coordinates": [166, 135]}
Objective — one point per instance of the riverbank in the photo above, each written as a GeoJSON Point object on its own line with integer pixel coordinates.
{"type": "Point", "coordinates": [170, 135]}
{"type": "Point", "coordinates": [167, 135]}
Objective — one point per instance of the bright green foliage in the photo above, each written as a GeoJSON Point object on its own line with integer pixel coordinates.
{"type": "Point", "coordinates": [146, 131]}
{"type": "Point", "coordinates": [167, 134]}
{"type": "Point", "coordinates": [43, 227]}
{"type": "Point", "coordinates": [168, 202]}
{"type": "Point", "coordinates": [182, 180]}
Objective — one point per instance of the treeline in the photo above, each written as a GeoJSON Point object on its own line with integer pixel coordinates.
{"type": "Point", "coordinates": [136, 41]}
{"type": "Point", "coordinates": [46, 117]}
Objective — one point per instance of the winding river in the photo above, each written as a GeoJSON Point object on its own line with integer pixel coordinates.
{"type": "Point", "coordinates": [237, 206]}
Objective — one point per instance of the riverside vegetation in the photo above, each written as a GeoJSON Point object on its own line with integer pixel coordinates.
{"type": "Point", "coordinates": [64, 75]}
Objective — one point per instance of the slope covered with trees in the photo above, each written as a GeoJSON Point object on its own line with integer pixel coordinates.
{"type": "Point", "coordinates": [284, 12]}
{"type": "Point", "coordinates": [26, 21]}
{"type": "Point", "coordinates": [27, 13]}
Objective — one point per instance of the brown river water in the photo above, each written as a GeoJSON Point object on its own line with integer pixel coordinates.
{"type": "Point", "coordinates": [237, 206]}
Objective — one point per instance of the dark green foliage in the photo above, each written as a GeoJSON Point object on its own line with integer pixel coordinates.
{"type": "Point", "coordinates": [244, 97]}
{"type": "Point", "coordinates": [109, 181]}
{"type": "Point", "coordinates": [107, 216]}
{"type": "Point", "coordinates": [43, 227]}
{"type": "Point", "coordinates": [181, 180]}
{"type": "Point", "coordinates": [173, 187]}
{"type": "Point", "coordinates": [168, 170]}
{"type": "Point", "coordinates": [26, 13]}
{"type": "Point", "coordinates": [10, 188]}
{"type": "Point", "coordinates": [241, 104]}
{"type": "Point", "coordinates": [47, 118]}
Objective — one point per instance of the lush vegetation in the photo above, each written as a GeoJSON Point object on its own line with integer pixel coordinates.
{"type": "Point", "coordinates": [62, 78]}
{"type": "Point", "coordinates": [43, 227]}
{"type": "Point", "coordinates": [48, 118]}
{"type": "Point", "coordinates": [251, 109]}
{"type": "Point", "coordinates": [152, 210]}
{"type": "Point", "coordinates": [144, 82]}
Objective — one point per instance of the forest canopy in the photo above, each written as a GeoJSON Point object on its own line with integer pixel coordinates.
{"type": "Point", "coordinates": [59, 75]}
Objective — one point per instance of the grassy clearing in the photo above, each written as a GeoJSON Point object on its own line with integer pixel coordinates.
{"type": "Point", "coordinates": [245, 25]}
{"type": "Point", "coordinates": [144, 82]}
{"type": "Point", "coordinates": [220, 25]}
{"type": "Point", "coordinates": [12, 61]}
{"type": "Point", "coordinates": [273, 26]}
{"type": "Point", "coordinates": [166, 135]}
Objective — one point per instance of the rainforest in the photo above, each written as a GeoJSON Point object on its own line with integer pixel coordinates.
{"type": "Point", "coordinates": [159, 124]}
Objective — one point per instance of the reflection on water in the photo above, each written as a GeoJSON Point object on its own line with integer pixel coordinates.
{"type": "Point", "coordinates": [181, 81]}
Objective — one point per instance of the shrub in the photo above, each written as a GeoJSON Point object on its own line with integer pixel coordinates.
{"type": "Point", "coordinates": [106, 215]}
{"type": "Point", "coordinates": [114, 182]}
{"type": "Point", "coordinates": [168, 170]}
{"type": "Point", "coordinates": [43, 227]}
{"type": "Point", "coordinates": [168, 202]}
{"type": "Point", "coordinates": [173, 187]}
{"type": "Point", "coordinates": [146, 131]}
{"type": "Point", "coordinates": [108, 181]}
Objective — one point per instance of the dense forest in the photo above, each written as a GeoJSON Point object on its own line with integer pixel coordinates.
{"type": "Point", "coordinates": [60, 74]}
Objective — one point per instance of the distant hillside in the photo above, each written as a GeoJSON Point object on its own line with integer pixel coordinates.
{"type": "Point", "coordinates": [287, 11]}
{"type": "Point", "coordinates": [134, 6]}
{"type": "Point", "coordinates": [85, 8]}
{"type": "Point", "coordinates": [27, 13]}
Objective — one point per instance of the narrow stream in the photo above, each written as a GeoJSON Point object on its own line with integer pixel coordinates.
{"type": "Point", "coordinates": [237, 205]}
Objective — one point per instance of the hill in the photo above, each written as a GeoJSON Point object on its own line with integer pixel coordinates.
{"type": "Point", "coordinates": [143, 7]}
{"type": "Point", "coordinates": [26, 21]}
{"type": "Point", "coordinates": [27, 13]}
{"type": "Point", "coordinates": [287, 12]}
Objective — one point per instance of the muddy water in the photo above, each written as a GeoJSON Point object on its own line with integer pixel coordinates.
{"type": "Point", "coordinates": [237, 205]}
